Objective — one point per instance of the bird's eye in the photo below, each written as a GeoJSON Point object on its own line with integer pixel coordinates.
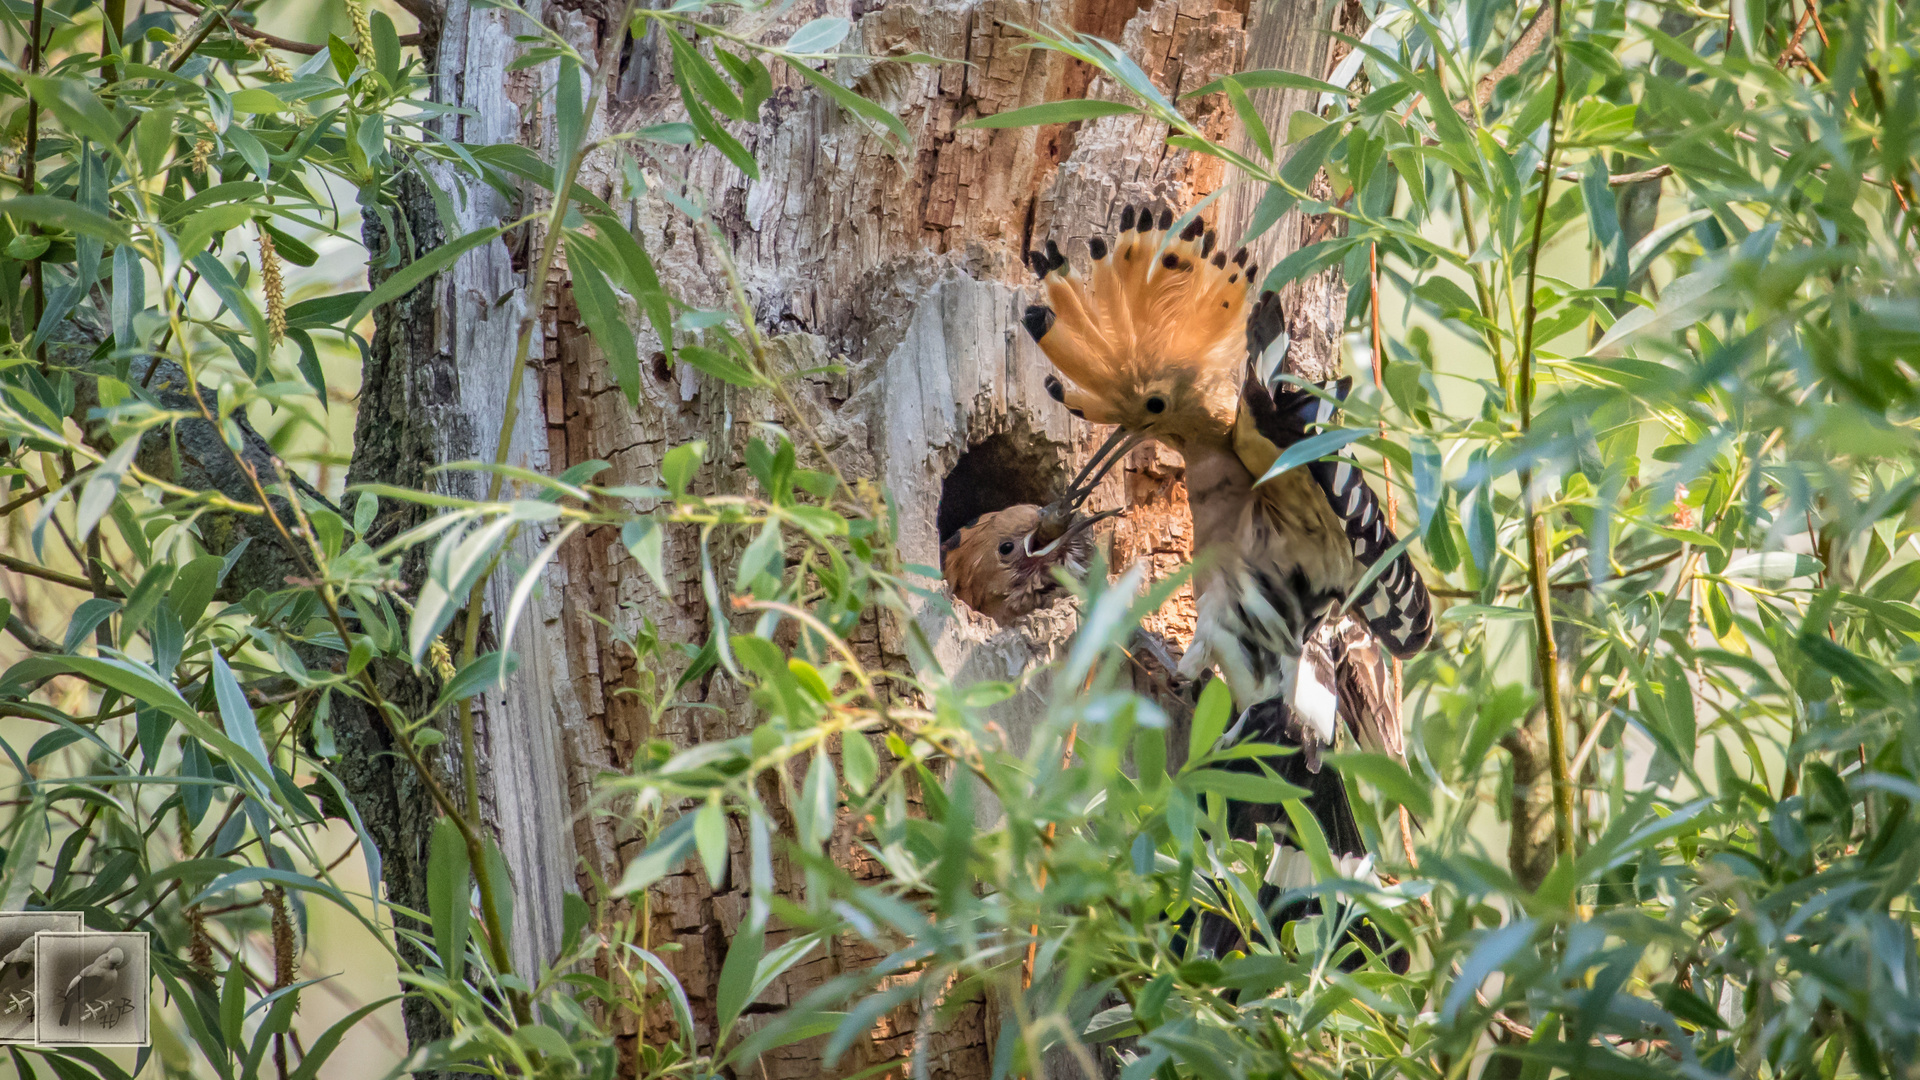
{"type": "Point", "coordinates": [1006, 547]}
{"type": "Point", "coordinates": [1156, 404]}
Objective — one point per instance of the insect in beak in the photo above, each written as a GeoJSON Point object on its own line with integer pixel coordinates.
{"type": "Point", "coordinates": [1077, 526]}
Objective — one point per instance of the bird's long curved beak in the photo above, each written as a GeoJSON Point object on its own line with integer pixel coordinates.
{"type": "Point", "coordinates": [1077, 526]}
{"type": "Point", "coordinates": [1058, 516]}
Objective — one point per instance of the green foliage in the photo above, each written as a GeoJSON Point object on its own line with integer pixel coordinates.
{"type": "Point", "coordinates": [180, 769]}
{"type": "Point", "coordinates": [1638, 438]}
{"type": "Point", "coordinates": [1697, 447]}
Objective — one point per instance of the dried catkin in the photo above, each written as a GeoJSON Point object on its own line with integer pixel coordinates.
{"type": "Point", "coordinates": [285, 955]}
{"type": "Point", "coordinates": [275, 287]}
{"type": "Point", "coordinates": [284, 959]}
{"type": "Point", "coordinates": [199, 945]}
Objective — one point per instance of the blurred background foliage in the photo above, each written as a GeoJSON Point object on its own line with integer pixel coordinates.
{"type": "Point", "coordinates": [1634, 288]}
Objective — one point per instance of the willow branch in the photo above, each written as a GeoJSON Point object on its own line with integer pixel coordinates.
{"type": "Point", "coordinates": [31, 638]}
{"type": "Point", "coordinates": [1537, 33]}
{"type": "Point", "coordinates": [35, 570]}
{"type": "Point", "coordinates": [1546, 652]}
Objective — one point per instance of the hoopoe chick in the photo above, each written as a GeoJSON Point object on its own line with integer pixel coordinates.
{"type": "Point", "coordinates": [1002, 564]}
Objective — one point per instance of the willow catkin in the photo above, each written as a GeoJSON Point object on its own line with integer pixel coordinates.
{"type": "Point", "coordinates": [442, 659]}
{"type": "Point", "coordinates": [277, 69]}
{"type": "Point", "coordinates": [274, 286]}
{"type": "Point", "coordinates": [185, 827]}
{"type": "Point", "coordinates": [362, 33]}
{"type": "Point", "coordinates": [203, 156]}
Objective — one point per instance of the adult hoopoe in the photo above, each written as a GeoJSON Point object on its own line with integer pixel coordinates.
{"type": "Point", "coordinates": [1164, 340]}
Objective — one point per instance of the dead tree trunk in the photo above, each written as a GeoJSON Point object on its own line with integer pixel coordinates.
{"type": "Point", "coordinates": [906, 272]}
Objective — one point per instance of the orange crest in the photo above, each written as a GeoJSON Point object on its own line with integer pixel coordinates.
{"type": "Point", "coordinates": [1154, 340]}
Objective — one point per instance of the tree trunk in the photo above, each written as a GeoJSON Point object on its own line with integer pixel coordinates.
{"type": "Point", "coordinates": [905, 272]}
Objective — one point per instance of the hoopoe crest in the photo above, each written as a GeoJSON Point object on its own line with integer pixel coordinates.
{"type": "Point", "coordinates": [1151, 339]}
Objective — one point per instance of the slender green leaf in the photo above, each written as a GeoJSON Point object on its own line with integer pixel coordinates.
{"type": "Point", "coordinates": [1053, 112]}
{"type": "Point", "coordinates": [449, 871]}
{"type": "Point", "coordinates": [405, 279]}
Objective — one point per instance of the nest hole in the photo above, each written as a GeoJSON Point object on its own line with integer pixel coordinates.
{"type": "Point", "coordinates": [999, 471]}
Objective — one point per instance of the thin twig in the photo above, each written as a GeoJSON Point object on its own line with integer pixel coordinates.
{"type": "Point", "coordinates": [23, 500]}
{"type": "Point", "coordinates": [1396, 702]}
{"type": "Point", "coordinates": [29, 165]}
{"type": "Point", "coordinates": [1617, 180]}
{"type": "Point", "coordinates": [1033, 932]}
{"type": "Point", "coordinates": [1523, 49]}
{"type": "Point", "coordinates": [1565, 586]}
{"type": "Point", "coordinates": [1481, 290]}
{"type": "Point", "coordinates": [28, 636]}
{"type": "Point", "coordinates": [205, 24]}
{"type": "Point", "coordinates": [490, 907]}
{"type": "Point", "coordinates": [1793, 51]}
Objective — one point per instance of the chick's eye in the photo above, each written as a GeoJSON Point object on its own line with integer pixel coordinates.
{"type": "Point", "coordinates": [1156, 404]}
{"type": "Point", "coordinates": [1006, 547]}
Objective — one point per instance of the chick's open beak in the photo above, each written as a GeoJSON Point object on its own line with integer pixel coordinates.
{"type": "Point", "coordinates": [1038, 547]}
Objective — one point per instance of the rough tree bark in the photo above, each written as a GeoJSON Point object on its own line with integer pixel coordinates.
{"type": "Point", "coordinates": [907, 273]}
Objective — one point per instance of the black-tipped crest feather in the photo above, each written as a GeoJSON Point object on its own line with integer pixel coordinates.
{"type": "Point", "coordinates": [1038, 320]}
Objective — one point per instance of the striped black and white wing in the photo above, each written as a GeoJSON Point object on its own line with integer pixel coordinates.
{"type": "Point", "coordinates": [1395, 604]}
